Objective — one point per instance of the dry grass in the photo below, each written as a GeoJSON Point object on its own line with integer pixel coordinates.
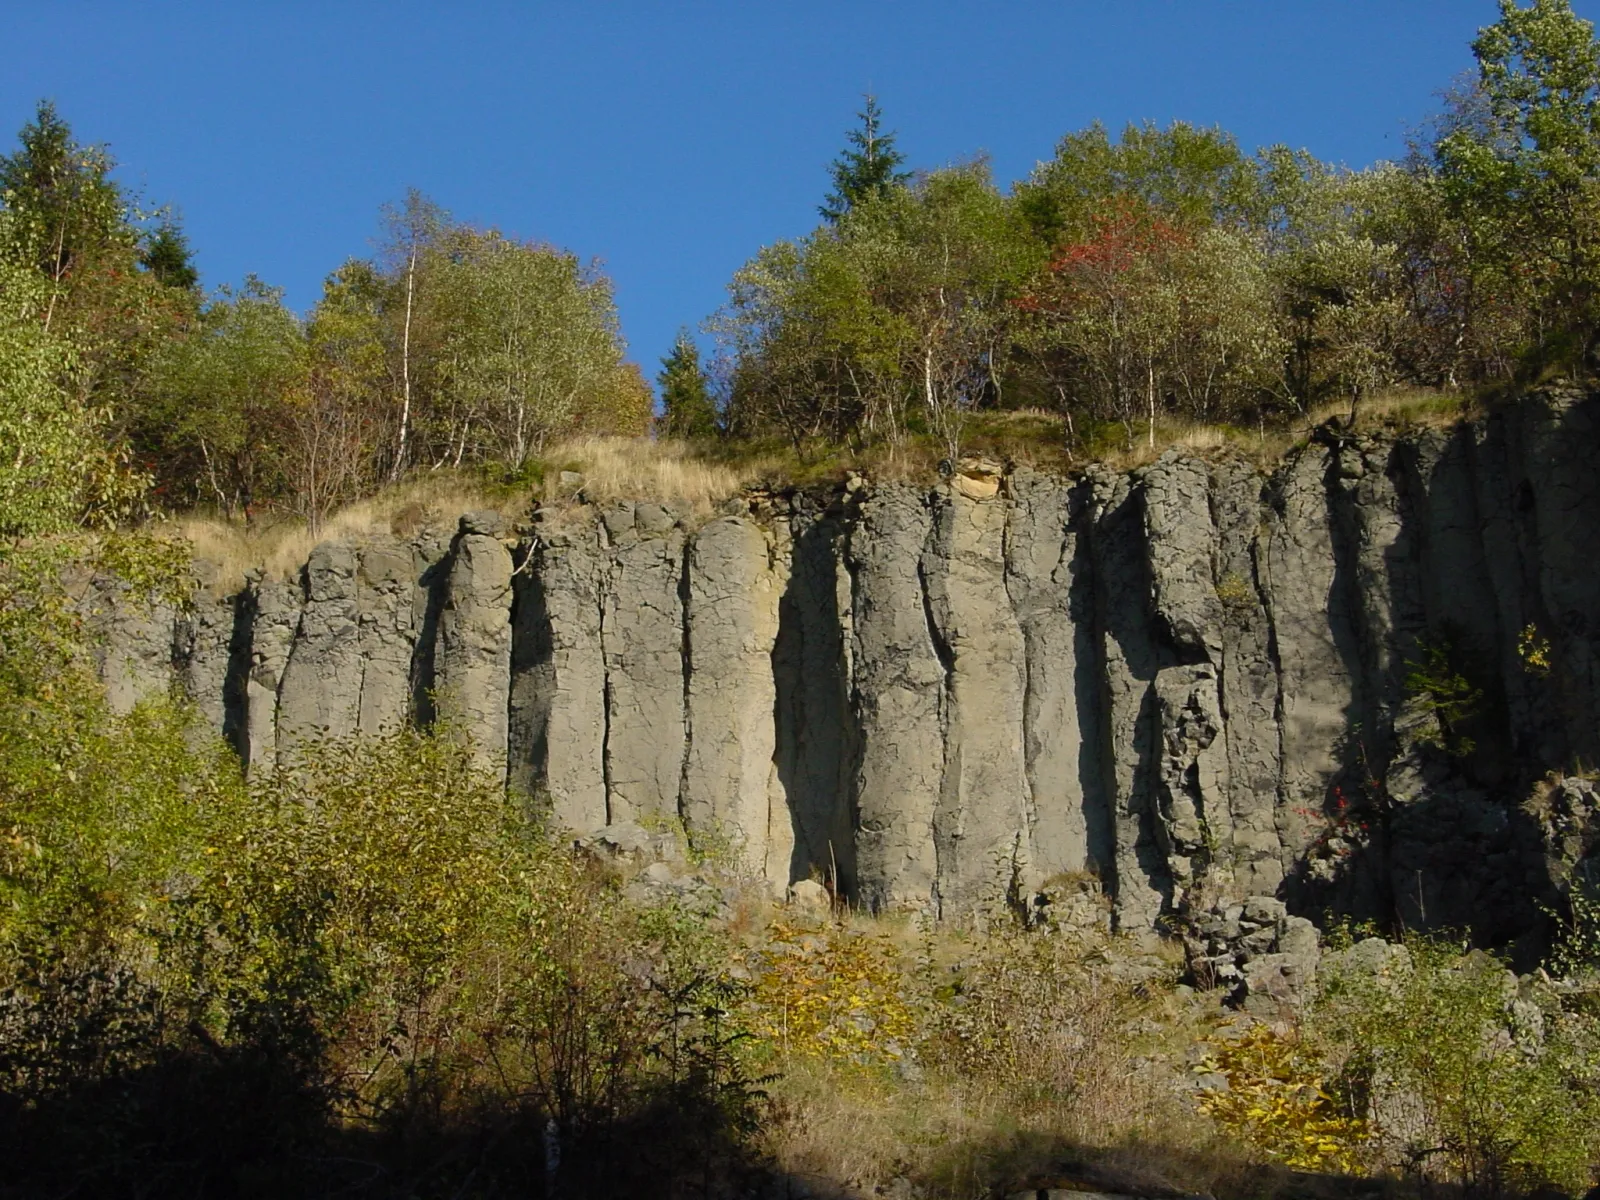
{"type": "Point", "coordinates": [611, 468]}
{"type": "Point", "coordinates": [280, 547]}
{"type": "Point", "coordinates": [670, 472]}
{"type": "Point", "coordinates": [598, 470]}
{"type": "Point", "coordinates": [1034, 1064]}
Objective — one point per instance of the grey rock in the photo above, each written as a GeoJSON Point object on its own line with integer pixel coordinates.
{"type": "Point", "coordinates": [809, 895]}
{"type": "Point", "coordinates": [642, 635]}
{"type": "Point", "coordinates": [899, 697]}
{"type": "Point", "coordinates": [274, 619]}
{"type": "Point", "coordinates": [473, 659]}
{"type": "Point", "coordinates": [485, 522]}
{"type": "Point", "coordinates": [1186, 681]}
{"type": "Point", "coordinates": [556, 721]}
{"type": "Point", "coordinates": [320, 693]}
{"type": "Point", "coordinates": [981, 817]}
{"type": "Point", "coordinates": [731, 786]}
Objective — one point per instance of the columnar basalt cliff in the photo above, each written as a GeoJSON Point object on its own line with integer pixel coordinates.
{"type": "Point", "coordinates": [1193, 680]}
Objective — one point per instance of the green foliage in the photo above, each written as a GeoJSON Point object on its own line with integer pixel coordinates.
{"type": "Point", "coordinates": [826, 991]}
{"type": "Point", "coordinates": [63, 206]}
{"type": "Point", "coordinates": [1024, 1012]}
{"type": "Point", "coordinates": [1533, 648]}
{"type": "Point", "coordinates": [1442, 690]}
{"type": "Point", "coordinates": [1575, 953]}
{"type": "Point", "coordinates": [531, 331]}
{"type": "Point", "coordinates": [869, 166]}
{"type": "Point", "coordinates": [893, 317]}
{"type": "Point", "coordinates": [220, 397]}
{"type": "Point", "coordinates": [1521, 165]}
{"type": "Point", "coordinates": [167, 256]}
{"type": "Point", "coordinates": [687, 409]}
{"type": "Point", "coordinates": [1473, 1076]}
{"type": "Point", "coordinates": [1186, 174]}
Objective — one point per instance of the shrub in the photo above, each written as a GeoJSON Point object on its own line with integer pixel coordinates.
{"type": "Point", "coordinates": [1025, 1017]}
{"type": "Point", "coordinates": [832, 991]}
{"type": "Point", "coordinates": [1472, 1076]}
{"type": "Point", "coordinates": [1276, 1100]}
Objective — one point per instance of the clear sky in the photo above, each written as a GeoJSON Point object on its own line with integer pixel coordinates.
{"type": "Point", "coordinates": [671, 140]}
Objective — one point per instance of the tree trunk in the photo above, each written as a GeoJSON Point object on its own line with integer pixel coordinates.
{"type": "Point", "coordinates": [405, 368]}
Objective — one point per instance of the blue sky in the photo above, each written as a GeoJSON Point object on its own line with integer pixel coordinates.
{"type": "Point", "coordinates": [671, 140]}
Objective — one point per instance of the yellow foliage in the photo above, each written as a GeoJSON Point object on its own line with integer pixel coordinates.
{"type": "Point", "coordinates": [831, 991]}
{"type": "Point", "coordinates": [1275, 1101]}
{"type": "Point", "coordinates": [1534, 650]}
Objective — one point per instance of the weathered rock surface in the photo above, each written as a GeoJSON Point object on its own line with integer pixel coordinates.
{"type": "Point", "coordinates": [1194, 682]}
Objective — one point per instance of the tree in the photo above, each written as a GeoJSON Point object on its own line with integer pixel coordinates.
{"type": "Point", "coordinates": [529, 334]}
{"type": "Point", "coordinates": [62, 201]}
{"type": "Point", "coordinates": [869, 165]}
{"type": "Point", "coordinates": [222, 398]}
{"type": "Point", "coordinates": [57, 466]}
{"type": "Point", "coordinates": [686, 404]}
{"type": "Point", "coordinates": [1524, 172]}
{"type": "Point", "coordinates": [336, 432]}
{"type": "Point", "coordinates": [901, 306]}
{"type": "Point", "coordinates": [1183, 173]}
{"type": "Point", "coordinates": [167, 256]}
{"type": "Point", "coordinates": [413, 231]}
{"type": "Point", "coordinates": [1110, 307]}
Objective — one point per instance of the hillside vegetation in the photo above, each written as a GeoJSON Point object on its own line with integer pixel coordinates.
{"type": "Point", "coordinates": [371, 972]}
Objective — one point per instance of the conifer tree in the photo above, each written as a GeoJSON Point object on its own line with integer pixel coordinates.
{"type": "Point", "coordinates": [687, 407]}
{"type": "Point", "coordinates": [167, 256]}
{"type": "Point", "coordinates": [869, 165]}
{"type": "Point", "coordinates": [59, 193]}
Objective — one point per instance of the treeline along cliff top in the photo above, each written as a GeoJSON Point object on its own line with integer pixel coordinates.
{"type": "Point", "coordinates": [1157, 277]}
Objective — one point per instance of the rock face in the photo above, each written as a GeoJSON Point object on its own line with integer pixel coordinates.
{"type": "Point", "coordinates": [1195, 682]}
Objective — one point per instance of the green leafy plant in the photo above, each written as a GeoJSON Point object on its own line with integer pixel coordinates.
{"type": "Point", "coordinates": [1442, 690]}
{"type": "Point", "coordinates": [1470, 1076]}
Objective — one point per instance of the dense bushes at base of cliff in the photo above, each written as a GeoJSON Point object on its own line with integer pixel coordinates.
{"type": "Point", "coordinates": [368, 971]}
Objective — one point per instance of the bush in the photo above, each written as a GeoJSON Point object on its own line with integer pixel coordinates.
{"type": "Point", "coordinates": [1471, 1076]}
{"type": "Point", "coordinates": [1276, 1101]}
{"type": "Point", "coordinates": [368, 971]}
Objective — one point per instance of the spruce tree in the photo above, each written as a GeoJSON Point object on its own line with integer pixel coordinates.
{"type": "Point", "coordinates": [869, 165]}
{"type": "Point", "coordinates": [60, 196]}
{"type": "Point", "coordinates": [167, 256]}
{"type": "Point", "coordinates": [687, 408]}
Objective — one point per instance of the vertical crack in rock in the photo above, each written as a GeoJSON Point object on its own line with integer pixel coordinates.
{"type": "Point", "coordinates": [815, 736]}
{"type": "Point", "coordinates": [706, 826]}
{"type": "Point", "coordinates": [473, 664]}
{"type": "Point", "coordinates": [431, 569]}
{"type": "Point", "coordinates": [1132, 657]}
{"type": "Point", "coordinates": [1319, 661]}
{"type": "Point", "coordinates": [1250, 695]}
{"type": "Point", "coordinates": [946, 817]}
{"type": "Point", "coordinates": [557, 712]}
{"type": "Point", "coordinates": [897, 694]}
{"type": "Point", "coordinates": [319, 695]}
{"type": "Point", "coordinates": [643, 630]}
{"type": "Point", "coordinates": [274, 618]}
{"type": "Point", "coordinates": [206, 654]}
{"type": "Point", "coordinates": [1180, 537]}
{"type": "Point", "coordinates": [386, 585]}
{"type": "Point", "coordinates": [732, 585]}
{"type": "Point", "coordinates": [981, 825]}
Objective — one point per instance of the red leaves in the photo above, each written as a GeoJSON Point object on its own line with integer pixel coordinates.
{"type": "Point", "coordinates": [1128, 236]}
